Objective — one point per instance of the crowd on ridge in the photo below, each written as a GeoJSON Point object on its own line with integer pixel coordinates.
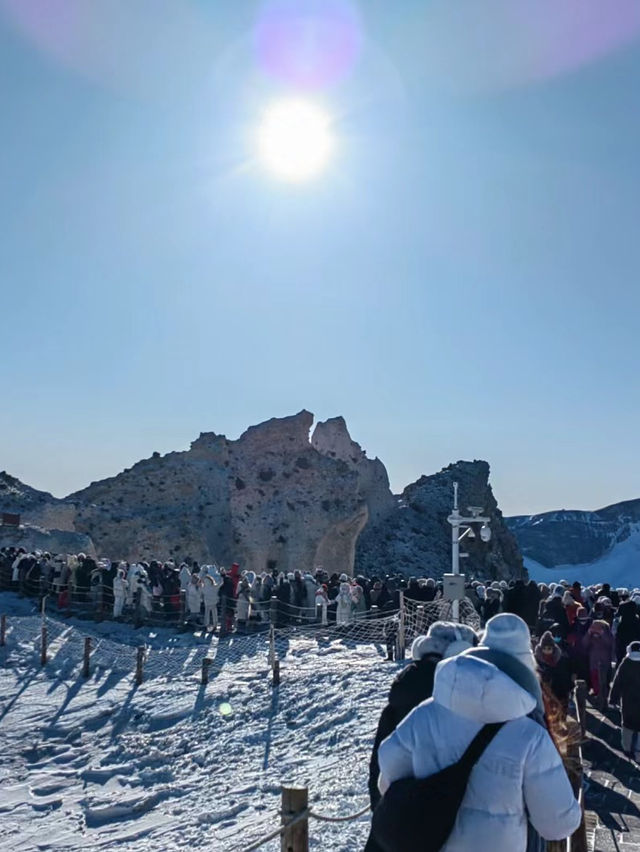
{"type": "Point", "coordinates": [214, 597]}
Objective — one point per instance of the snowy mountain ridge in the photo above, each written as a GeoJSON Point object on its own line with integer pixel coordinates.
{"type": "Point", "coordinates": [602, 545]}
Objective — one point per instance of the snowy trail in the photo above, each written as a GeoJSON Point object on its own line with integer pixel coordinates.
{"type": "Point", "coordinates": [102, 764]}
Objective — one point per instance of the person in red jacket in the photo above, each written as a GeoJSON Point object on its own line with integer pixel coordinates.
{"type": "Point", "coordinates": [234, 574]}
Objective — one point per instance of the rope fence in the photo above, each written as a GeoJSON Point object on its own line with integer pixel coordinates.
{"type": "Point", "coordinates": [295, 814]}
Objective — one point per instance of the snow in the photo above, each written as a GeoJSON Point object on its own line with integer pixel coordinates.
{"type": "Point", "coordinates": [620, 566]}
{"type": "Point", "coordinates": [103, 764]}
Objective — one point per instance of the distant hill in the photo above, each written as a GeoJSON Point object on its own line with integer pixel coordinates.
{"type": "Point", "coordinates": [603, 545]}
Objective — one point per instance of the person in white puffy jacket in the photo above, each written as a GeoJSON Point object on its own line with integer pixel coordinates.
{"type": "Point", "coordinates": [185, 576]}
{"type": "Point", "coordinates": [520, 772]}
{"type": "Point", "coordinates": [120, 586]}
{"type": "Point", "coordinates": [194, 597]}
{"type": "Point", "coordinates": [344, 609]}
{"type": "Point", "coordinates": [210, 589]}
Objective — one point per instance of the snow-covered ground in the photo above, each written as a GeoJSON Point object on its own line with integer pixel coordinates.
{"type": "Point", "coordinates": [103, 764]}
{"type": "Point", "coordinates": [620, 566]}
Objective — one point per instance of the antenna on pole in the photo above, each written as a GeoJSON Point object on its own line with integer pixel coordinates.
{"type": "Point", "coordinates": [455, 496]}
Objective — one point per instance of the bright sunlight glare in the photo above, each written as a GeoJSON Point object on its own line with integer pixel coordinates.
{"type": "Point", "coordinates": [295, 139]}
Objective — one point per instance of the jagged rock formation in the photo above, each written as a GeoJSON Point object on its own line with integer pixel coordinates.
{"type": "Point", "coordinates": [416, 537]}
{"type": "Point", "coordinates": [273, 498]}
{"type": "Point", "coordinates": [573, 537]}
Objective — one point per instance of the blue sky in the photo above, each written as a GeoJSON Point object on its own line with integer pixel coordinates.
{"type": "Point", "coordinates": [460, 282]}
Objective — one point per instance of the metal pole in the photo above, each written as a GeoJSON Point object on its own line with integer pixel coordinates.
{"type": "Point", "coordinates": [455, 546]}
{"type": "Point", "coordinates": [401, 629]}
{"type": "Point", "coordinates": [3, 629]}
{"type": "Point", "coordinates": [205, 670]}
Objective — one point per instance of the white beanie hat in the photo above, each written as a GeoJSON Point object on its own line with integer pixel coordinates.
{"type": "Point", "coordinates": [445, 639]}
{"type": "Point", "coordinates": [508, 633]}
{"type": "Point", "coordinates": [344, 578]}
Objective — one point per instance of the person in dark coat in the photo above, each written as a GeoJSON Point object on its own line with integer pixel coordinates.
{"type": "Point", "coordinates": [492, 604]}
{"type": "Point", "coordinates": [414, 684]}
{"type": "Point", "coordinates": [532, 604]}
{"type": "Point", "coordinates": [628, 628]}
{"type": "Point", "coordinates": [555, 613]}
{"type": "Point", "coordinates": [430, 590]}
{"type": "Point", "coordinates": [515, 600]}
{"type": "Point", "coordinates": [554, 670]}
{"type": "Point", "coordinates": [413, 590]}
{"type": "Point", "coordinates": [626, 690]}
{"type": "Point", "coordinates": [227, 603]}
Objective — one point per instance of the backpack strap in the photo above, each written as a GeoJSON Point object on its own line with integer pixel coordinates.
{"type": "Point", "coordinates": [478, 744]}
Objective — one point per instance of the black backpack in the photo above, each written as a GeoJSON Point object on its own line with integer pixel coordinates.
{"type": "Point", "coordinates": [420, 813]}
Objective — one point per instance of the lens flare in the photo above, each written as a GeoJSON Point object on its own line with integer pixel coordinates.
{"type": "Point", "coordinates": [308, 44]}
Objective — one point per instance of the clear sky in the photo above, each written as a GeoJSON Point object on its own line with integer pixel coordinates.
{"type": "Point", "coordinates": [462, 279]}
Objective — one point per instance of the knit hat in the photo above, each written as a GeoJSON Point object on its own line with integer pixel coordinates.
{"type": "Point", "coordinates": [509, 633]}
{"type": "Point", "coordinates": [445, 639]}
{"type": "Point", "coordinates": [546, 640]}
{"type": "Point", "coordinates": [344, 578]}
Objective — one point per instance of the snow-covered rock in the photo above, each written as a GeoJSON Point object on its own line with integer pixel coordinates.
{"type": "Point", "coordinates": [416, 537]}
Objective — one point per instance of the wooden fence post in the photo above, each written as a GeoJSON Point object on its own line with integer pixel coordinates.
{"type": "Point", "coordinates": [139, 664]}
{"type": "Point", "coordinates": [401, 629]}
{"type": "Point", "coordinates": [578, 841]}
{"type": "Point", "coordinates": [273, 612]}
{"type": "Point", "coordinates": [295, 801]}
{"type": "Point", "coordinates": [581, 705]}
{"type": "Point", "coordinates": [86, 657]}
{"type": "Point", "coordinates": [276, 672]}
{"type": "Point", "coordinates": [43, 649]}
{"type": "Point", "coordinates": [205, 670]}
{"type": "Point", "coordinates": [3, 630]}
{"type": "Point", "coordinates": [183, 607]}
{"type": "Point", "coordinates": [272, 647]}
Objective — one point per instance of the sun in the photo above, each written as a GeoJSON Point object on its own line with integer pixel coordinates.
{"type": "Point", "coordinates": [294, 139]}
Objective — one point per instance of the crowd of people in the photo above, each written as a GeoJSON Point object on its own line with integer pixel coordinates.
{"type": "Point", "coordinates": [516, 678]}
{"type": "Point", "coordinates": [502, 690]}
{"type": "Point", "coordinates": [462, 686]}
{"type": "Point", "coordinates": [215, 597]}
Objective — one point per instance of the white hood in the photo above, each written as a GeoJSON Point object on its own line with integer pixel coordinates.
{"type": "Point", "coordinates": [478, 690]}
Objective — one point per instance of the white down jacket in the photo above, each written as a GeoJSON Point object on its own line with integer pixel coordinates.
{"type": "Point", "coordinates": [210, 591]}
{"type": "Point", "coordinates": [520, 767]}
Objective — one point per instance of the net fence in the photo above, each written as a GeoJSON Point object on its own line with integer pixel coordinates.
{"type": "Point", "coordinates": [170, 653]}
